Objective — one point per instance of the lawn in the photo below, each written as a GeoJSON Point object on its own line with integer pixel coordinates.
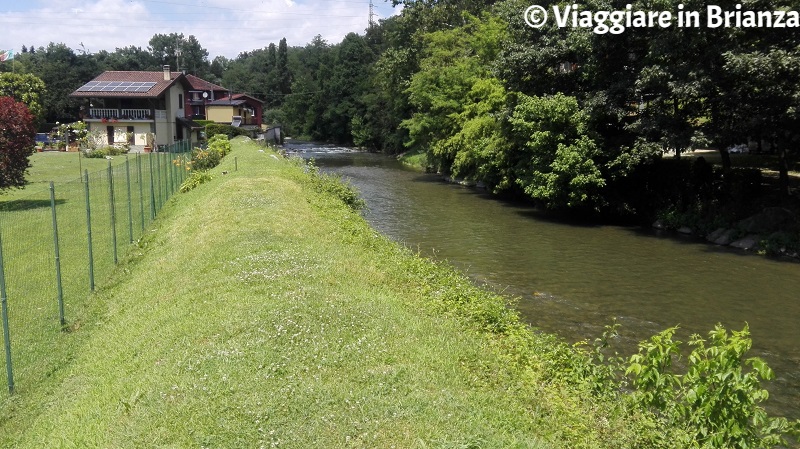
{"type": "Point", "coordinates": [28, 244]}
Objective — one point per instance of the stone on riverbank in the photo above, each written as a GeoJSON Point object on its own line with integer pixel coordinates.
{"type": "Point", "coordinates": [726, 237]}
{"type": "Point", "coordinates": [715, 235]}
{"type": "Point", "coordinates": [749, 242]}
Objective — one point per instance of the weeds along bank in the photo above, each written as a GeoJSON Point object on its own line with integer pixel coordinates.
{"type": "Point", "coordinates": [263, 311]}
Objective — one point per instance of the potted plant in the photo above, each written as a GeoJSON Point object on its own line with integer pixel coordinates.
{"type": "Point", "coordinates": [148, 145]}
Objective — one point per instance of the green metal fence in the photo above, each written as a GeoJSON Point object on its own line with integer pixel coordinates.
{"type": "Point", "coordinates": [56, 243]}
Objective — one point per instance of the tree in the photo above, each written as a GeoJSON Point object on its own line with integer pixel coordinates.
{"type": "Point", "coordinates": [218, 68]}
{"type": "Point", "coordinates": [24, 88]}
{"type": "Point", "coordinates": [282, 67]}
{"type": "Point", "coordinates": [17, 132]}
{"type": "Point", "coordinates": [556, 156]}
{"type": "Point", "coordinates": [305, 107]}
{"type": "Point", "coordinates": [454, 86]}
{"type": "Point", "coordinates": [128, 58]}
{"type": "Point", "coordinates": [193, 57]}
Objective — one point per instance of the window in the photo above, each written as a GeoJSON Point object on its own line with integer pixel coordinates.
{"type": "Point", "coordinates": [180, 101]}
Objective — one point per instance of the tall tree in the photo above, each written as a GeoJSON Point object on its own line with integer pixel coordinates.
{"type": "Point", "coordinates": [181, 53]}
{"type": "Point", "coordinates": [282, 68]}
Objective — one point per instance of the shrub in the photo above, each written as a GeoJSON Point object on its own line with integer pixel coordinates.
{"type": "Point", "coordinates": [104, 151]}
{"type": "Point", "coordinates": [220, 143]}
{"type": "Point", "coordinates": [205, 159]}
{"type": "Point", "coordinates": [717, 400]}
{"type": "Point", "coordinates": [214, 129]}
{"type": "Point", "coordinates": [17, 133]}
{"type": "Point", "coordinates": [195, 179]}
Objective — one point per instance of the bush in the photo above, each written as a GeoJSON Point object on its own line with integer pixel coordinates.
{"type": "Point", "coordinates": [220, 143]}
{"type": "Point", "coordinates": [203, 159]}
{"type": "Point", "coordinates": [214, 129]}
{"type": "Point", "coordinates": [103, 152]}
{"type": "Point", "coordinates": [16, 142]}
{"type": "Point", "coordinates": [717, 399]}
{"type": "Point", "coordinates": [195, 179]}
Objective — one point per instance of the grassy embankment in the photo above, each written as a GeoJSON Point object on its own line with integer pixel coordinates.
{"type": "Point", "coordinates": [416, 159]}
{"type": "Point", "coordinates": [262, 312]}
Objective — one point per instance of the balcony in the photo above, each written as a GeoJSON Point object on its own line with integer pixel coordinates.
{"type": "Point", "coordinates": [120, 114]}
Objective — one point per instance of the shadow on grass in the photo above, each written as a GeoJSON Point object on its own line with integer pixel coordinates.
{"type": "Point", "coordinates": [21, 205]}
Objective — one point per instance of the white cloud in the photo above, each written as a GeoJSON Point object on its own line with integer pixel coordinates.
{"type": "Point", "coordinates": [221, 26]}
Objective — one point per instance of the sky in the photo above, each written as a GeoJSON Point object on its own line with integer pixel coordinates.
{"type": "Point", "coordinates": [223, 27]}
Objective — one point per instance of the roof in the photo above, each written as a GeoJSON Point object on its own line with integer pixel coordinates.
{"type": "Point", "coordinates": [201, 84]}
{"type": "Point", "coordinates": [227, 102]}
{"type": "Point", "coordinates": [158, 89]}
{"type": "Point", "coordinates": [235, 100]}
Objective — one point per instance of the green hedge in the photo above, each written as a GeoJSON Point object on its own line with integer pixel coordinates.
{"type": "Point", "coordinates": [213, 129]}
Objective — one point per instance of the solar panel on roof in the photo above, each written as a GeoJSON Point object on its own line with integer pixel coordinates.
{"type": "Point", "coordinates": [117, 86]}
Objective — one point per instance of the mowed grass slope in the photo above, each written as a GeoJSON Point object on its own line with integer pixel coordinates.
{"type": "Point", "coordinates": [264, 313]}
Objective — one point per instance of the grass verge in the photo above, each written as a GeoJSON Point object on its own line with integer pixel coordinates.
{"type": "Point", "coordinates": [264, 312]}
{"type": "Point", "coordinates": [417, 159]}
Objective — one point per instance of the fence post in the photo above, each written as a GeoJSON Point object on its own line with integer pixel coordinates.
{"type": "Point", "coordinates": [158, 163]}
{"type": "Point", "coordinates": [171, 168]}
{"type": "Point", "coordinates": [113, 210]}
{"type": "Point", "coordinates": [6, 333]}
{"type": "Point", "coordinates": [130, 201]}
{"type": "Point", "coordinates": [235, 163]}
{"type": "Point", "coordinates": [89, 228]}
{"type": "Point", "coordinates": [59, 287]}
{"type": "Point", "coordinates": [141, 188]}
{"type": "Point", "coordinates": [152, 190]}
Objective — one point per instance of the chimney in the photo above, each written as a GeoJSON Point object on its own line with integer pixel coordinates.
{"type": "Point", "coordinates": [167, 74]}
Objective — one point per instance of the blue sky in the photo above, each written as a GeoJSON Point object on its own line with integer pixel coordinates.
{"type": "Point", "coordinates": [223, 27]}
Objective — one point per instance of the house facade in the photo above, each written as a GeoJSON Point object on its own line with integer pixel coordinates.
{"type": "Point", "coordinates": [148, 109]}
{"type": "Point", "coordinates": [142, 109]}
{"type": "Point", "coordinates": [239, 110]}
{"type": "Point", "coordinates": [201, 94]}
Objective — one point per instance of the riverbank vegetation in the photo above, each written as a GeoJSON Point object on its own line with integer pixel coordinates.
{"type": "Point", "coordinates": [262, 310]}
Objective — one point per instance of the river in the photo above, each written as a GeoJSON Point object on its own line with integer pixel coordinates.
{"type": "Point", "coordinates": [572, 278]}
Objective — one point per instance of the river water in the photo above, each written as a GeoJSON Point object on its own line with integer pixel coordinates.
{"type": "Point", "coordinates": [574, 278]}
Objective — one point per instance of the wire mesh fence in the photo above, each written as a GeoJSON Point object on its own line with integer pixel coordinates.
{"type": "Point", "coordinates": [57, 241]}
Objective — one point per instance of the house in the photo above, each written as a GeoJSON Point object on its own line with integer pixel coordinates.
{"type": "Point", "coordinates": [239, 110]}
{"type": "Point", "coordinates": [143, 109]}
{"type": "Point", "coordinates": [202, 93]}
{"type": "Point", "coordinates": [147, 109]}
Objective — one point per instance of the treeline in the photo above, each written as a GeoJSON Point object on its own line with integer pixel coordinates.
{"type": "Point", "coordinates": [572, 119]}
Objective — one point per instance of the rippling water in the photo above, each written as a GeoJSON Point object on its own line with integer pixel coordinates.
{"type": "Point", "coordinates": [572, 279]}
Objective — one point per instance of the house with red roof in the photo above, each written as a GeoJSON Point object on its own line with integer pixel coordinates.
{"type": "Point", "coordinates": [142, 109]}
{"type": "Point", "coordinates": [208, 101]}
{"type": "Point", "coordinates": [239, 110]}
{"type": "Point", "coordinates": [201, 93]}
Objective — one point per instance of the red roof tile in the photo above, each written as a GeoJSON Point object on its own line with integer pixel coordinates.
{"type": "Point", "coordinates": [201, 84]}
{"type": "Point", "coordinates": [151, 77]}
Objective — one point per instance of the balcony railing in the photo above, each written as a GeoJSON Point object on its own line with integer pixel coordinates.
{"type": "Point", "coordinates": [129, 114]}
